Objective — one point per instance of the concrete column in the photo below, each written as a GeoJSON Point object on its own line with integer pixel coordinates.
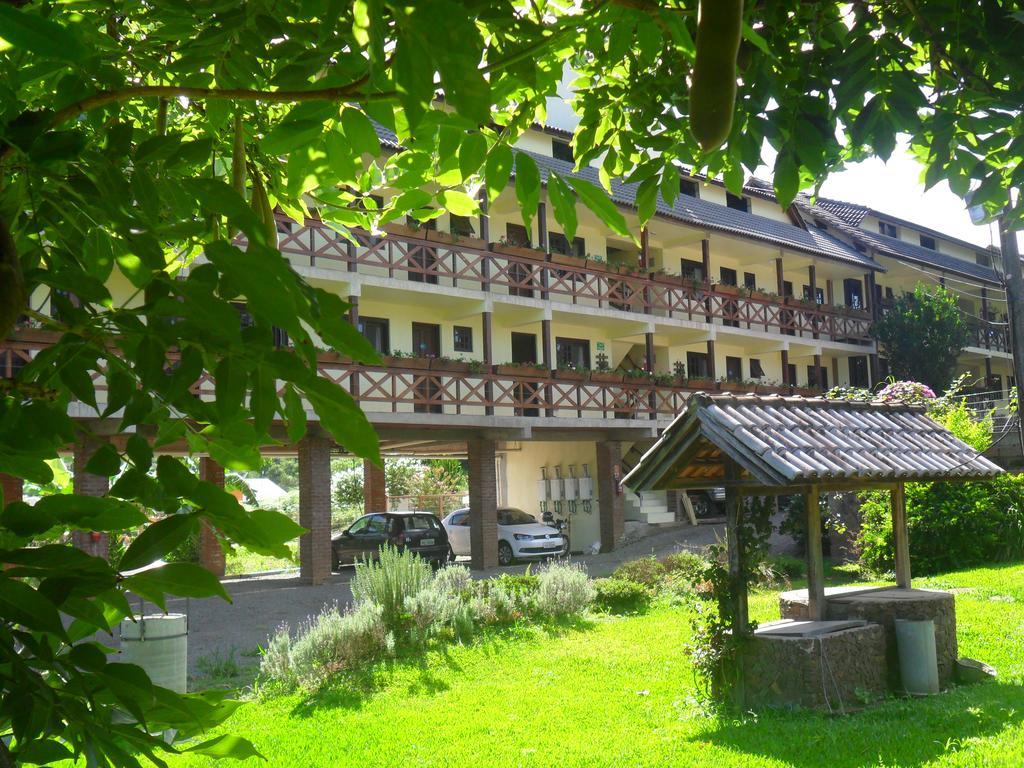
{"type": "Point", "coordinates": [11, 488]}
{"type": "Point", "coordinates": [488, 350]}
{"type": "Point", "coordinates": [711, 359]}
{"type": "Point", "coordinates": [610, 501]}
{"type": "Point", "coordinates": [315, 509]}
{"type": "Point", "coordinates": [375, 494]}
{"type": "Point", "coordinates": [211, 554]}
{"type": "Point", "coordinates": [483, 504]}
{"type": "Point", "coordinates": [86, 484]}
{"type": "Point", "coordinates": [784, 356]}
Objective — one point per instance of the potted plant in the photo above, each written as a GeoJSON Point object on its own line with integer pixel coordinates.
{"type": "Point", "coordinates": [606, 376]}
{"type": "Point", "coordinates": [700, 383]}
{"type": "Point", "coordinates": [536, 370]}
{"type": "Point", "coordinates": [727, 289]}
{"type": "Point", "coordinates": [452, 365]}
{"type": "Point", "coordinates": [636, 376]}
{"type": "Point", "coordinates": [664, 379]}
{"type": "Point", "coordinates": [476, 366]}
{"type": "Point", "coordinates": [730, 385]}
{"type": "Point", "coordinates": [401, 359]}
{"type": "Point", "coordinates": [661, 276]}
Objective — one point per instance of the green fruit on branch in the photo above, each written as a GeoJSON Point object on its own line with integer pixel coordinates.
{"type": "Point", "coordinates": [713, 82]}
{"type": "Point", "coordinates": [13, 297]}
{"type": "Point", "coordinates": [260, 203]}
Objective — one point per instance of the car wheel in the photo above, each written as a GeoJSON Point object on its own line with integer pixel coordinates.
{"type": "Point", "coordinates": [504, 553]}
{"type": "Point", "coordinates": [335, 564]}
{"type": "Point", "coordinates": [701, 506]}
{"type": "Point", "coordinates": [451, 555]}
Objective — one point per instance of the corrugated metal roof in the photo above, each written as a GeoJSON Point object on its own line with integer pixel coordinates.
{"type": "Point", "coordinates": [705, 214]}
{"type": "Point", "coordinates": [795, 441]}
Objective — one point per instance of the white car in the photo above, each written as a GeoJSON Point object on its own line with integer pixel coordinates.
{"type": "Point", "coordinates": [520, 536]}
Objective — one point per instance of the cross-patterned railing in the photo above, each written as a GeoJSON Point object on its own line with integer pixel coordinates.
{"type": "Point", "coordinates": [430, 257]}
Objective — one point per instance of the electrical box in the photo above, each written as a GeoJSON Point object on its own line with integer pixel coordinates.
{"type": "Point", "coordinates": [543, 491]}
{"type": "Point", "coordinates": [569, 485]}
{"type": "Point", "coordinates": [557, 490]}
{"type": "Point", "coordinates": [586, 489]}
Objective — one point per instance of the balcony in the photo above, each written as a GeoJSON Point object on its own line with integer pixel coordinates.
{"type": "Point", "coordinates": [436, 386]}
{"type": "Point", "coordinates": [985, 335]}
{"type": "Point", "coordinates": [441, 259]}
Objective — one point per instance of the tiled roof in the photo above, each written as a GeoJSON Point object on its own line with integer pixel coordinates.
{"type": "Point", "coordinates": [851, 213]}
{"type": "Point", "coordinates": [794, 441]}
{"type": "Point", "coordinates": [705, 214]}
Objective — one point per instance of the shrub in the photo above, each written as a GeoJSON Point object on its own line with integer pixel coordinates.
{"type": "Point", "coordinates": [453, 580]}
{"type": "Point", "coordinates": [788, 566]}
{"type": "Point", "coordinates": [433, 610]}
{"type": "Point", "coordinates": [388, 581]}
{"type": "Point", "coordinates": [620, 595]}
{"type": "Point", "coordinates": [563, 590]}
{"type": "Point", "coordinates": [686, 566]}
{"type": "Point", "coordinates": [950, 525]}
{"type": "Point", "coordinates": [276, 662]}
{"type": "Point", "coordinates": [648, 571]}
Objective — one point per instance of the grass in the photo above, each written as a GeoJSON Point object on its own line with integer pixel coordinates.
{"type": "Point", "coordinates": [615, 691]}
{"type": "Point", "coordinates": [241, 561]}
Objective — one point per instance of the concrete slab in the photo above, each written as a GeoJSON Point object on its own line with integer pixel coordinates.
{"type": "Point", "coordinates": [791, 628]}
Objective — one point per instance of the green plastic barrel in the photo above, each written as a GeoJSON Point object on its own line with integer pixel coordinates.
{"type": "Point", "coordinates": [159, 644]}
{"type": "Point", "coordinates": [919, 668]}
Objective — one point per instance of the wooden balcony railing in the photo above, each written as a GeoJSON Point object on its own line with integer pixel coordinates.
{"type": "Point", "coordinates": [989, 335]}
{"type": "Point", "coordinates": [451, 389]}
{"type": "Point", "coordinates": [429, 257]}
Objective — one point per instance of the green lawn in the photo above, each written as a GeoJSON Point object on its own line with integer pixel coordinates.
{"type": "Point", "coordinates": [620, 692]}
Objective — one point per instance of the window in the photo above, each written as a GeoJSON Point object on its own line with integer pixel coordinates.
{"type": "Point", "coordinates": [819, 294]}
{"type": "Point", "coordinates": [787, 287]}
{"type": "Point", "coordinates": [859, 371]}
{"type": "Point", "coordinates": [749, 280]}
{"type": "Point", "coordinates": [692, 270]}
{"type": "Point", "coordinates": [697, 365]}
{"type": "Point", "coordinates": [928, 242]}
{"type": "Point", "coordinates": [791, 373]}
{"type": "Point", "coordinates": [853, 293]}
{"type": "Point", "coordinates": [983, 259]}
{"type": "Point", "coordinates": [245, 320]}
{"type": "Point", "coordinates": [562, 150]}
{"type": "Point", "coordinates": [516, 234]}
{"type": "Point", "coordinates": [756, 371]}
{"type": "Point", "coordinates": [733, 369]}
{"type": "Point", "coordinates": [889, 294]}
{"type": "Point", "coordinates": [360, 525]}
{"type": "Point", "coordinates": [459, 518]}
{"type": "Point", "coordinates": [376, 525]}
{"type": "Point", "coordinates": [689, 187]}
{"type": "Point", "coordinates": [817, 377]}
{"type": "Point", "coordinates": [890, 230]}
{"type": "Point", "coordinates": [280, 337]}
{"type": "Point", "coordinates": [737, 203]}
{"type": "Point", "coordinates": [727, 276]}
{"type": "Point", "coordinates": [463, 341]}
{"type": "Point", "coordinates": [558, 243]}
{"type": "Point", "coordinates": [375, 330]}
{"type": "Point", "coordinates": [461, 226]}
{"type": "Point", "coordinates": [572, 353]}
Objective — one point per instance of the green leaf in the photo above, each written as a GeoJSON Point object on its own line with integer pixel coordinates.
{"type": "Point", "coordinates": [472, 153]}
{"type": "Point", "coordinates": [20, 604]}
{"type": "Point", "coordinates": [295, 414]}
{"type": "Point", "coordinates": [224, 746]}
{"type": "Point", "coordinates": [459, 203]}
{"type": "Point", "coordinates": [360, 132]}
{"type": "Point", "coordinates": [218, 197]}
{"type": "Point", "coordinates": [30, 32]}
{"type": "Point", "coordinates": [290, 135]}
{"type": "Point", "coordinates": [498, 170]}
{"type": "Point", "coordinates": [230, 386]}
{"type": "Point", "coordinates": [563, 201]}
{"type": "Point", "coordinates": [43, 753]}
{"type": "Point", "coordinates": [157, 540]}
{"type": "Point", "coordinates": [91, 513]}
{"type": "Point", "coordinates": [106, 461]}
{"type": "Point", "coordinates": [787, 178]}
{"type": "Point", "coordinates": [175, 476]}
{"type": "Point", "coordinates": [340, 416]}
{"type": "Point", "coordinates": [598, 202]}
{"type": "Point", "coordinates": [179, 579]}
{"type": "Point", "coordinates": [527, 188]}
{"type": "Point", "coordinates": [647, 199]}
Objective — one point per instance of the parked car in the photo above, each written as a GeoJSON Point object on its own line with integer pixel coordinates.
{"type": "Point", "coordinates": [708, 503]}
{"type": "Point", "coordinates": [520, 536]}
{"type": "Point", "coordinates": [420, 532]}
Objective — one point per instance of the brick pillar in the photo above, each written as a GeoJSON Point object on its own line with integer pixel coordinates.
{"type": "Point", "coordinates": [315, 509]}
{"type": "Point", "coordinates": [87, 484]}
{"type": "Point", "coordinates": [610, 505]}
{"type": "Point", "coordinates": [211, 554]}
{"type": "Point", "coordinates": [483, 504]}
{"type": "Point", "coordinates": [375, 494]}
{"type": "Point", "coordinates": [11, 488]}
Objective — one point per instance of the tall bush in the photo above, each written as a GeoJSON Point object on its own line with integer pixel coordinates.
{"type": "Point", "coordinates": [390, 580]}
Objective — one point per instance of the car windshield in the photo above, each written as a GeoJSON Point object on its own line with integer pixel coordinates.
{"type": "Point", "coordinates": [420, 523]}
{"type": "Point", "coordinates": [514, 517]}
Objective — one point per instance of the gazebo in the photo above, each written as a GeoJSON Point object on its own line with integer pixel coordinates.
{"type": "Point", "coordinates": [770, 445]}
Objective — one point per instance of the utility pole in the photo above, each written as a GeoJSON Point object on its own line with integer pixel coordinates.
{"type": "Point", "coordinates": [1015, 305]}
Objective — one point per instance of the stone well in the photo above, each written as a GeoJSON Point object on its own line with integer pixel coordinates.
{"type": "Point", "coordinates": [882, 605]}
{"type": "Point", "coordinates": [831, 666]}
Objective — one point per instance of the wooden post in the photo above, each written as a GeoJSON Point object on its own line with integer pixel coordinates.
{"type": "Point", "coordinates": [688, 507]}
{"type": "Point", "coordinates": [488, 351]}
{"type": "Point", "coordinates": [780, 281]}
{"type": "Point", "coordinates": [901, 543]}
{"type": "Point", "coordinates": [711, 359]}
{"type": "Point", "coordinates": [649, 352]}
{"type": "Point", "coordinates": [815, 564]}
{"type": "Point", "coordinates": [784, 356]}
{"type": "Point", "coordinates": [645, 250]}
{"type": "Point", "coordinates": [542, 227]}
{"type": "Point", "coordinates": [734, 544]}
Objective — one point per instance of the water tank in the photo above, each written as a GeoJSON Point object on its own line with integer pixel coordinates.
{"type": "Point", "coordinates": [919, 668]}
{"type": "Point", "coordinates": [159, 644]}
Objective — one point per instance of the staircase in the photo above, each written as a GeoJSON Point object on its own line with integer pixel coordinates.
{"type": "Point", "coordinates": [651, 506]}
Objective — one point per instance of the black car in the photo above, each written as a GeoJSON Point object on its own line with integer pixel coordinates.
{"type": "Point", "coordinates": [420, 532]}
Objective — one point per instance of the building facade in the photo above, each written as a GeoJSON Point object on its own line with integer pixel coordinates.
{"type": "Point", "coordinates": [547, 362]}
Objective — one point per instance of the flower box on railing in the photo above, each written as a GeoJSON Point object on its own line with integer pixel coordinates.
{"type": "Point", "coordinates": [404, 230]}
{"type": "Point", "coordinates": [665, 278]}
{"type": "Point", "coordinates": [447, 238]}
{"type": "Point", "coordinates": [574, 262]}
{"type": "Point", "coordinates": [806, 391]}
{"type": "Point", "coordinates": [727, 290]}
{"type": "Point", "coordinates": [449, 365]}
{"type": "Point", "coordinates": [636, 378]}
{"type": "Point", "coordinates": [606, 377]}
{"type": "Point", "coordinates": [521, 369]}
{"type": "Point", "coordinates": [732, 386]}
{"type": "Point", "coordinates": [400, 361]}
{"type": "Point", "coordinates": [523, 251]}
{"type": "Point", "coordinates": [700, 384]}
{"type": "Point", "coordinates": [571, 374]}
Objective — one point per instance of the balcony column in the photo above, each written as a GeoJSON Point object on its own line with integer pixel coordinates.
{"type": "Point", "coordinates": [546, 360]}
{"type": "Point", "coordinates": [780, 280]}
{"type": "Point", "coordinates": [705, 260]}
{"type": "Point", "coordinates": [483, 504]}
{"type": "Point", "coordinates": [542, 226]}
{"type": "Point", "coordinates": [211, 554]}
{"type": "Point", "coordinates": [315, 509]}
{"type": "Point", "coordinates": [988, 373]}
{"type": "Point", "coordinates": [649, 352]}
{"type": "Point", "coordinates": [11, 489]}
{"type": "Point", "coordinates": [835, 371]}
{"type": "Point", "coordinates": [830, 296]}
{"type": "Point", "coordinates": [485, 235]}
{"type": "Point", "coordinates": [869, 295]}
{"type": "Point", "coordinates": [87, 484]}
{"type": "Point", "coordinates": [812, 284]}
{"type": "Point", "coordinates": [711, 359]}
{"type": "Point", "coordinates": [785, 368]}
{"type": "Point", "coordinates": [817, 373]}
{"type": "Point", "coordinates": [984, 317]}
{"type": "Point", "coordinates": [645, 253]}
{"type": "Point", "coordinates": [488, 350]}
{"type": "Point", "coordinates": [353, 318]}
{"type": "Point", "coordinates": [610, 504]}
{"type": "Point", "coordinates": [375, 495]}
